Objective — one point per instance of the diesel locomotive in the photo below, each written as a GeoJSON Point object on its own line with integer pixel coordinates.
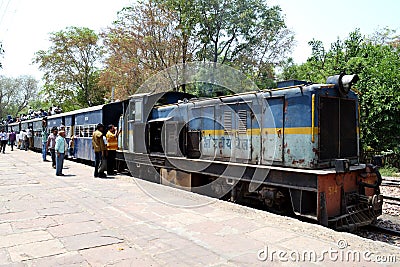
{"type": "Point", "coordinates": [294, 149]}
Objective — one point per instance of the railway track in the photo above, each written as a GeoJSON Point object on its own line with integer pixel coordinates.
{"type": "Point", "coordinates": [391, 182]}
{"type": "Point", "coordinates": [383, 230]}
{"type": "Point", "coordinates": [392, 200]}
{"type": "Point", "coordinates": [388, 182]}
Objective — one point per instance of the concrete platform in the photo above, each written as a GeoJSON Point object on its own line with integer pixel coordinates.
{"type": "Point", "coordinates": [78, 220]}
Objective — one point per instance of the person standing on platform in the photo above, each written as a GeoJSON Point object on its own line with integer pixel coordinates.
{"type": "Point", "coordinates": [3, 140]}
{"type": "Point", "coordinates": [99, 150]}
{"type": "Point", "coordinates": [51, 144]}
{"type": "Point", "coordinates": [60, 149]}
{"type": "Point", "coordinates": [29, 135]}
{"type": "Point", "coordinates": [18, 140]}
{"type": "Point", "coordinates": [45, 135]}
{"type": "Point", "coordinates": [25, 139]}
{"type": "Point", "coordinates": [12, 137]}
{"type": "Point", "coordinates": [112, 146]}
{"type": "Point", "coordinates": [72, 146]}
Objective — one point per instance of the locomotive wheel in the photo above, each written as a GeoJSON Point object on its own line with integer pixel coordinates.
{"type": "Point", "coordinates": [281, 204]}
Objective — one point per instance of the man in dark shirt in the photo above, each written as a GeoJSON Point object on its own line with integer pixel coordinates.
{"type": "Point", "coordinates": [100, 150]}
{"type": "Point", "coordinates": [12, 137]}
{"type": "Point", "coordinates": [51, 143]}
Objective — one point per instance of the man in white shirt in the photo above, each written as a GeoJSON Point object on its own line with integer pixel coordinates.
{"type": "Point", "coordinates": [29, 135]}
{"type": "Point", "coordinates": [18, 139]}
{"type": "Point", "coordinates": [51, 143]}
{"type": "Point", "coordinates": [3, 139]}
{"type": "Point", "coordinates": [21, 138]}
{"type": "Point", "coordinates": [25, 140]}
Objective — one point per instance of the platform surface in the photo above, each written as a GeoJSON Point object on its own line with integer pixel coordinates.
{"type": "Point", "coordinates": [79, 220]}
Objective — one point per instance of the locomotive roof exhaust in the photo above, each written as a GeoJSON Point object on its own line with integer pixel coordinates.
{"type": "Point", "coordinates": [343, 82]}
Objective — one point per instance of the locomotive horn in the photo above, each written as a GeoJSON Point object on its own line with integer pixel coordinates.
{"type": "Point", "coordinates": [343, 82]}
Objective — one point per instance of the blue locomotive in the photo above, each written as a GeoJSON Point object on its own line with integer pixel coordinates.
{"type": "Point", "coordinates": [292, 149]}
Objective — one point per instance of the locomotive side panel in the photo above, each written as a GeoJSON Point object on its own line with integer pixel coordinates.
{"type": "Point", "coordinates": [301, 136]}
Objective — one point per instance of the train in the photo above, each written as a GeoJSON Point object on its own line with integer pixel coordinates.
{"type": "Point", "coordinates": [294, 149]}
{"type": "Point", "coordinates": [79, 123]}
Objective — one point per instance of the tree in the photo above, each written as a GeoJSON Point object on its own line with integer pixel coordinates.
{"type": "Point", "coordinates": [377, 62]}
{"type": "Point", "coordinates": [187, 17]}
{"type": "Point", "coordinates": [71, 68]}
{"type": "Point", "coordinates": [16, 93]}
{"type": "Point", "coordinates": [153, 35]}
{"type": "Point", "coordinates": [143, 41]}
{"type": "Point", "coordinates": [248, 35]}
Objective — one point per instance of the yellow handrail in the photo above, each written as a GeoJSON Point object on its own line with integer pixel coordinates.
{"type": "Point", "coordinates": [312, 117]}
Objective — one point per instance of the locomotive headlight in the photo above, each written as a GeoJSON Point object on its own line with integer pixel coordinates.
{"type": "Point", "coordinates": [343, 82]}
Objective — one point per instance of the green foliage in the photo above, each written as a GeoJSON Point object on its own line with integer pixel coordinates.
{"type": "Point", "coordinates": [153, 35]}
{"type": "Point", "coordinates": [390, 172]}
{"type": "Point", "coordinates": [38, 103]}
{"type": "Point", "coordinates": [70, 68]}
{"type": "Point", "coordinates": [247, 35]}
{"type": "Point", "coordinates": [15, 94]}
{"type": "Point", "coordinates": [377, 61]}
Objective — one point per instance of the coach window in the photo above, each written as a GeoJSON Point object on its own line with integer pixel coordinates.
{"type": "Point", "coordinates": [85, 131]}
{"type": "Point", "coordinates": [68, 131]}
{"type": "Point", "coordinates": [91, 129]}
{"type": "Point", "coordinates": [78, 131]}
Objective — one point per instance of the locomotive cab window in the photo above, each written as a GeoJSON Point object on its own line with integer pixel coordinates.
{"type": "Point", "coordinates": [131, 116]}
{"type": "Point", "coordinates": [138, 110]}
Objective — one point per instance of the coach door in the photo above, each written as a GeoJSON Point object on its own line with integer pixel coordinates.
{"type": "Point", "coordinates": [137, 129]}
{"type": "Point", "coordinates": [272, 134]}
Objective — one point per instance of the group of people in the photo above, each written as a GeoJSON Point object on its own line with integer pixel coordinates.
{"type": "Point", "coordinates": [22, 140]}
{"type": "Point", "coordinates": [55, 143]}
{"type": "Point", "coordinates": [105, 148]}
{"type": "Point", "coordinates": [31, 114]}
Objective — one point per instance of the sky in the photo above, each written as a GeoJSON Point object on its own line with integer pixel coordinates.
{"type": "Point", "coordinates": [326, 20]}
{"type": "Point", "coordinates": [25, 24]}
